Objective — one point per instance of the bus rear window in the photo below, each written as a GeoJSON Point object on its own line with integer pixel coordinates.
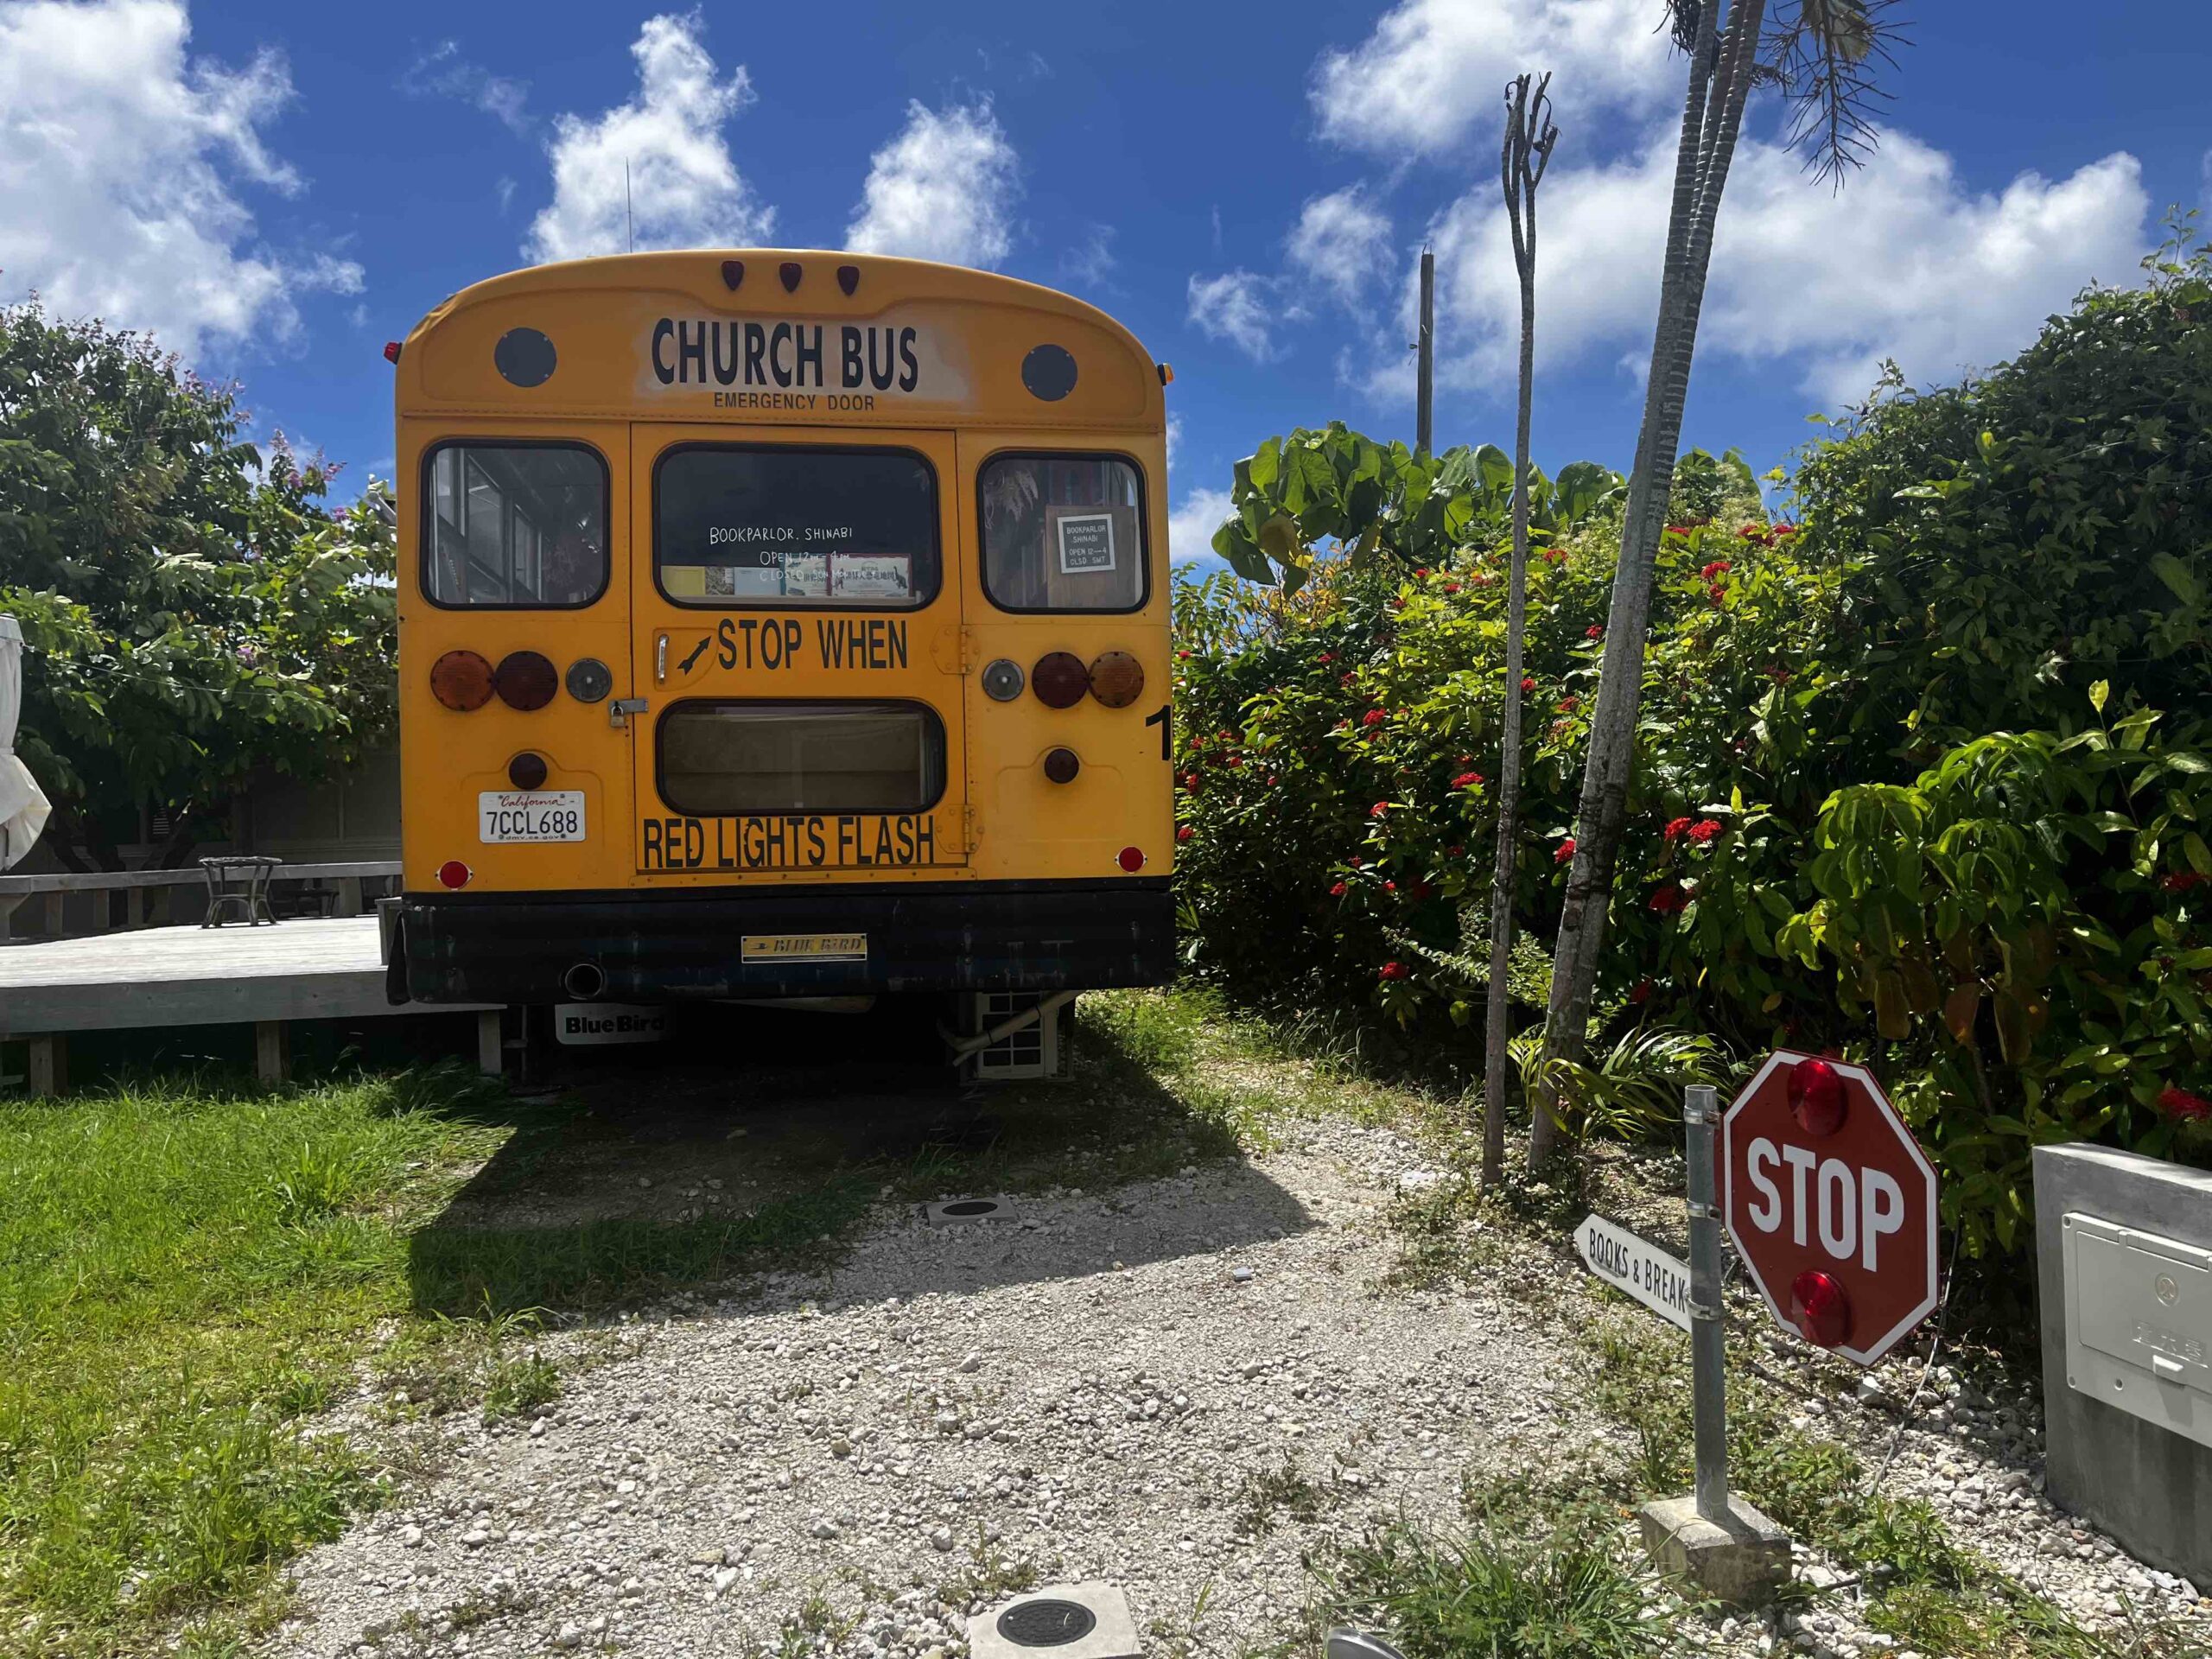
{"type": "Point", "coordinates": [515, 525]}
{"type": "Point", "coordinates": [720, 758]}
{"type": "Point", "coordinates": [771, 524]}
{"type": "Point", "coordinates": [1063, 533]}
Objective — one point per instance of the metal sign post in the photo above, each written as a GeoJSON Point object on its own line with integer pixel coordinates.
{"type": "Point", "coordinates": [1708, 1388]}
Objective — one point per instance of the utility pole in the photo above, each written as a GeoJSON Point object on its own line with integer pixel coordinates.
{"type": "Point", "coordinates": [1425, 385]}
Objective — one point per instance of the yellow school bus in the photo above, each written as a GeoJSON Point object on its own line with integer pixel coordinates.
{"type": "Point", "coordinates": [780, 624]}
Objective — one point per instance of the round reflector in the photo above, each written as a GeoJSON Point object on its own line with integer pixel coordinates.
{"type": "Point", "coordinates": [1061, 765]}
{"type": "Point", "coordinates": [525, 680]}
{"type": "Point", "coordinates": [1131, 859]}
{"type": "Point", "coordinates": [1003, 680]}
{"type": "Point", "coordinates": [589, 679]}
{"type": "Point", "coordinates": [1816, 1097]}
{"type": "Point", "coordinates": [1059, 679]}
{"type": "Point", "coordinates": [1819, 1308]}
{"type": "Point", "coordinates": [461, 681]}
{"type": "Point", "coordinates": [454, 873]}
{"type": "Point", "coordinates": [1116, 678]}
{"type": "Point", "coordinates": [527, 771]}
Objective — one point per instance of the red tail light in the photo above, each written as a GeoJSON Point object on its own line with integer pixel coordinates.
{"type": "Point", "coordinates": [1059, 679]}
{"type": "Point", "coordinates": [1131, 859]}
{"type": "Point", "coordinates": [454, 873]}
{"type": "Point", "coordinates": [525, 680]}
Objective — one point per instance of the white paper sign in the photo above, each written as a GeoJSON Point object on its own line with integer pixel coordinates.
{"type": "Point", "coordinates": [1660, 1282]}
{"type": "Point", "coordinates": [1086, 543]}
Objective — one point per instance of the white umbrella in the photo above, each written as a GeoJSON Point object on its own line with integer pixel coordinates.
{"type": "Point", "coordinates": [23, 806]}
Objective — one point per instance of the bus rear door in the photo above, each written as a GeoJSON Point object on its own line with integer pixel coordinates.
{"type": "Point", "coordinates": [796, 628]}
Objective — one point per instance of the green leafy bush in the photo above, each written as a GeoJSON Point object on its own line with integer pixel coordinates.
{"type": "Point", "coordinates": [1917, 769]}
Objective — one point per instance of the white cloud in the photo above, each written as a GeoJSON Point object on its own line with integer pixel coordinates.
{"type": "Point", "coordinates": [682, 190]}
{"type": "Point", "coordinates": [442, 71]}
{"type": "Point", "coordinates": [944, 188]}
{"type": "Point", "coordinates": [1343, 241]}
{"type": "Point", "coordinates": [1091, 261]}
{"type": "Point", "coordinates": [1241, 306]}
{"type": "Point", "coordinates": [1433, 71]}
{"type": "Point", "coordinates": [1906, 261]}
{"type": "Point", "coordinates": [120, 157]}
{"type": "Point", "coordinates": [1174, 437]}
{"type": "Point", "coordinates": [1190, 531]}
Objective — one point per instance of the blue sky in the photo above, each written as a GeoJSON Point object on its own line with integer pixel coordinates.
{"type": "Point", "coordinates": [277, 190]}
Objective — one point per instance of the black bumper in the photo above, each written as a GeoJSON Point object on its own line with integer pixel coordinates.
{"type": "Point", "coordinates": [1030, 935]}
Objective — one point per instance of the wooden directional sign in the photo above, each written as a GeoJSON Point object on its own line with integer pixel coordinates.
{"type": "Point", "coordinates": [1660, 1282]}
{"type": "Point", "coordinates": [1831, 1203]}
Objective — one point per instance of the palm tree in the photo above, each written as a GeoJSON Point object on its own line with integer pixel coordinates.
{"type": "Point", "coordinates": [1822, 55]}
{"type": "Point", "coordinates": [1529, 136]}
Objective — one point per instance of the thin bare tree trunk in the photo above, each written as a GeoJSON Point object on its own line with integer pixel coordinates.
{"type": "Point", "coordinates": [1720, 77]}
{"type": "Point", "coordinates": [1529, 136]}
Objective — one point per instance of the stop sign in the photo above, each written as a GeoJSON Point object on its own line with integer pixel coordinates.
{"type": "Point", "coordinates": [1831, 1203]}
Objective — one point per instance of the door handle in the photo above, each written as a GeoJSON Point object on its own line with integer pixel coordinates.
{"type": "Point", "coordinates": [660, 659]}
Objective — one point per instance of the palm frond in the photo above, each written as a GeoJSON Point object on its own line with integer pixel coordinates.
{"type": "Point", "coordinates": [1633, 1090]}
{"type": "Point", "coordinates": [1826, 57]}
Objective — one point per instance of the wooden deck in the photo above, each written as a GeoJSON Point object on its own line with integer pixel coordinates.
{"type": "Point", "coordinates": [263, 976]}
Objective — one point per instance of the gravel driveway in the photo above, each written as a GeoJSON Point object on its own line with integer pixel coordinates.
{"type": "Point", "coordinates": [1183, 1385]}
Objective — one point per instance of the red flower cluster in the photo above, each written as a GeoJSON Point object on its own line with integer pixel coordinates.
{"type": "Point", "coordinates": [1420, 570]}
{"type": "Point", "coordinates": [1328, 656]}
{"type": "Point", "coordinates": [1479, 580]}
{"type": "Point", "coordinates": [1555, 555]}
{"type": "Point", "coordinates": [2181, 880]}
{"type": "Point", "coordinates": [1453, 587]}
{"type": "Point", "coordinates": [1676, 829]}
{"type": "Point", "coordinates": [1182, 656]}
{"type": "Point", "coordinates": [1468, 780]}
{"type": "Point", "coordinates": [1527, 681]}
{"type": "Point", "coordinates": [1568, 705]}
{"type": "Point", "coordinates": [1232, 760]}
{"type": "Point", "coordinates": [1455, 851]}
{"type": "Point", "coordinates": [1397, 971]}
{"type": "Point", "coordinates": [2180, 1103]}
{"type": "Point", "coordinates": [1378, 809]}
{"type": "Point", "coordinates": [1374, 717]}
{"type": "Point", "coordinates": [1782, 527]}
{"type": "Point", "coordinates": [1642, 991]}
{"type": "Point", "coordinates": [1668, 899]}
{"type": "Point", "coordinates": [1185, 833]}
{"type": "Point", "coordinates": [1715, 571]}
{"type": "Point", "coordinates": [1703, 832]}
{"type": "Point", "coordinates": [1566, 851]}
{"type": "Point", "coordinates": [1390, 887]}
{"type": "Point", "coordinates": [1339, 890]}
{"type": "Point", "coordinates": [1191, 780]}
{"type": "Point", "coordinates": [1752, 533]}
{"type": "Point", "coordinates": [1347, 677]}
{"type": "Point", "coordinates": [1595, 630]}
{"type": "Point", "coordinates": [1718, 595]}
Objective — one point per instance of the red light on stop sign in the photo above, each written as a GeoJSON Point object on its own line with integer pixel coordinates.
{"type": "Point", "coordinates": [1816, 1097]}
{"type": "Point", "coordinates": [1819, 1308]}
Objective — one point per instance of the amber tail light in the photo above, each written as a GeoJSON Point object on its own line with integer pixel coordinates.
{"type": "Point", "coordinates": [461, 681]}
{"type": "Point", "coordinates": [1116, 678]}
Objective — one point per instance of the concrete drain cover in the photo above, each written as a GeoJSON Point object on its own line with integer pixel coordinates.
{"type": "Point", "coordinates": [1065, 1621]}
{"type": "Point", "coordinates": [1046, 1623]}
{"type": "Point", "coordinates": [954, 1211]}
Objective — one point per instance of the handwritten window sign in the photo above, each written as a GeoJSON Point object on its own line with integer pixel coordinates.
{"type": "Point", "coordinates": [1086, 543]}
{"type": "Point", "coordinates": [1660, 1282]}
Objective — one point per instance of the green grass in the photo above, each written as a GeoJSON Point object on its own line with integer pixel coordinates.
{"type": "Point", "coordinates": [189, 1275]}
{"type": "Point", "coordinates": [186, 1276]}
{"type": "Point", "coordinates": [1576, 1591]}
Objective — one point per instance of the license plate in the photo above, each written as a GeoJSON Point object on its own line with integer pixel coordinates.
{"type": "Point", "coordinates": [804, 947]}
{"type": "Point", "coordinates": [505, 815]}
